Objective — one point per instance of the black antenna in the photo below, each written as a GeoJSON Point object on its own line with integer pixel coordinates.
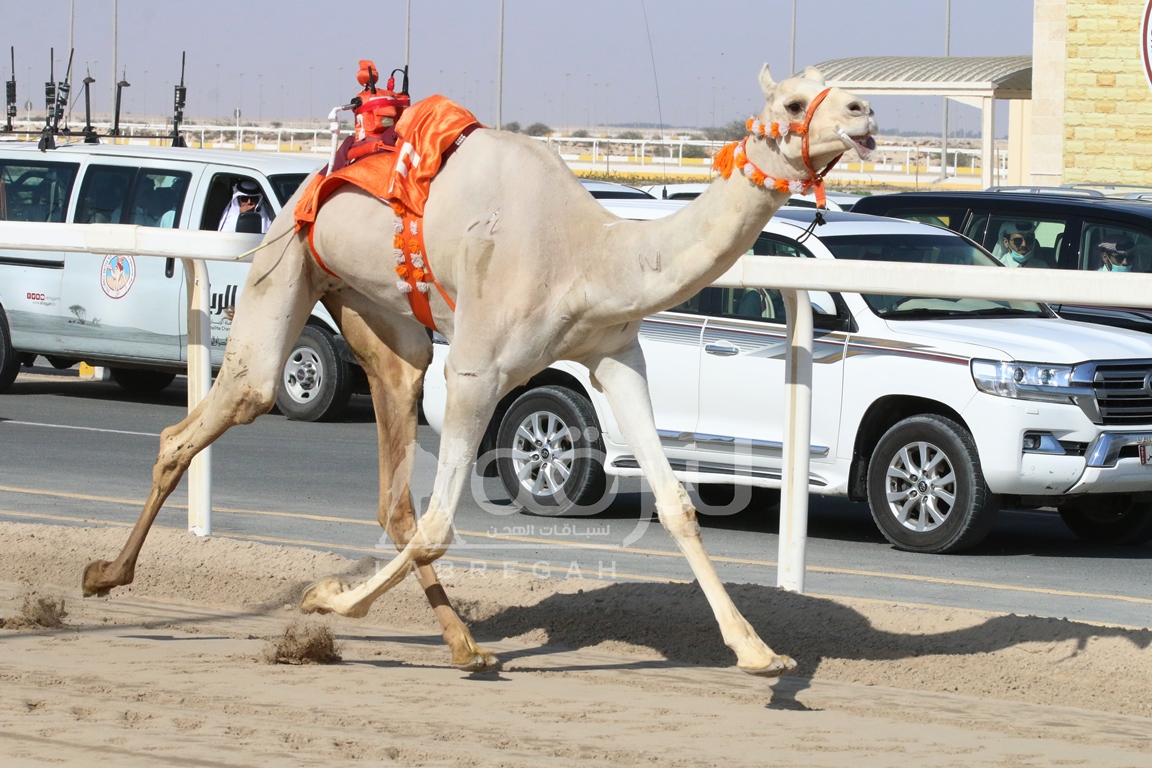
{"type": "Point", "coordinates": [46, 141]}
{"type": "Point", "coordinates": [10, 95]}
{"type": "Point", "coordinates": [89, 132]}
{"type": "Point", "coordinates": [404, 82]}
{"type": "Point", "coordinates": [120, 86]}
{"type": "Point", "coordinates": [178, 107]}
{"type": "Point", "coordinates": [63, 90]}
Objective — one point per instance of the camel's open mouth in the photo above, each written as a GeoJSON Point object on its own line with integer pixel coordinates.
{"type": "Point", "coordinates": [862, 144]}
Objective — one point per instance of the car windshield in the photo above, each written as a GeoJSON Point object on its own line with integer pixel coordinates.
{"type": "Point", "coordinates": [285, 184]}
{"type": "Point", "coordinates": [926, 249]}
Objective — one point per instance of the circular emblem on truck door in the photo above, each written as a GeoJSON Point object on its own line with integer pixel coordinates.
{"type": "Point", "coordinates": [117, 274]}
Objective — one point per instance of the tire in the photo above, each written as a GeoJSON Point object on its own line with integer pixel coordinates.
{"type": "Point", "coordinates": [717, 498]}
{"type": "Point", "coordinates": [9, 358]}
{"type": "Point", "coordinates": [141, 382]}
{"type": "Point", "coordinates": [1111, 519]}
{"type": "Point", "coordinates": [549, 453]}
{"type": "Point", "coordinates": [316, 382]}
{"type": "Point", "coordinates": [946, 509]}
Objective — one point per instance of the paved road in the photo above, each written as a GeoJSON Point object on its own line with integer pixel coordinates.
{"type": "Point", "coordinates": [73, 452]}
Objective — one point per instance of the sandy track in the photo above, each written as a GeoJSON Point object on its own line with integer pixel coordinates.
{"type": "Point", "coordinates": [595, 674]}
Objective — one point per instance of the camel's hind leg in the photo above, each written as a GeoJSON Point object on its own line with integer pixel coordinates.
{"type": "Point", "coordinates": [280, 292]}
{"type": "Point", "coordinates": [394, 354]}
{"type": "Point", "coordinates": [474, 385]}
{"type": "Point", "coordinates": [623, 380]}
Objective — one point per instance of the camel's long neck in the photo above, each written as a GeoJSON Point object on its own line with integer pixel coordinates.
{"type": "Point", "coordinates": [679, 255]}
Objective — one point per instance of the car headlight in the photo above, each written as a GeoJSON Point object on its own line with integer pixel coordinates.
{"type": "Point", "coordinates": [1027, 381]}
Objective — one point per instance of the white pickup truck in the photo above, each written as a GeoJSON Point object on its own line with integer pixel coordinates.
{"type": "Point", "coordinates": [937, 412]}
{"type": "Point", "coordinates": [128, 314]}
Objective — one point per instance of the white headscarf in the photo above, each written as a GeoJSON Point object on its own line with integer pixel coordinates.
{"type": "Point", "coordinates": [245, 188]}
{"type": "Point", "coordinates": [1008, 256]}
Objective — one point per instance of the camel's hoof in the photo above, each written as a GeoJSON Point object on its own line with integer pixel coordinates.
{"type": "Point", "coordinates": [95, 583]}
{"type": "Point", "coordinates": [321, 597]}
{"type": "Point", "coordinates": [481, 662]}
{"type": "Point", "coordinates": [778, 666]}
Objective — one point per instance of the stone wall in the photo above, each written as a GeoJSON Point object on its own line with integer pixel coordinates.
{"type": "Point", "coordinates": [1107, 98]}
{"type": "Point", "coordinates": [1049, 30]}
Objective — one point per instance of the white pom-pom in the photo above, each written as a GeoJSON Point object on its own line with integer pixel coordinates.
{"type": "Point", "coordinates": [422, 287]}
{"type": "Point", "coordinates": [784, 130]}
{"type": "Point", "coordinates": [399, 228]}
{"type": "Point", "coordinates": [412, 226]}
{"type": "Point", "coordinates": [749, 170]}
{"type": "Point", "coordinates": [417, 261]}
{"type": "Point", "coordinates": [403, 287]}
{"type": "Point", "coordinates": [399, 257]}
{"type": "Point", "coordinates": [796, 186]}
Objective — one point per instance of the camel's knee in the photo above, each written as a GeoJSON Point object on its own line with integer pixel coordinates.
{"type": "Point", "coordinates": [679, 519]}
{"type": "Point", "coordinates": [432, 538]}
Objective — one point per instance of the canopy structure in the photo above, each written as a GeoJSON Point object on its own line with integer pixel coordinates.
{"type": "Point", "coordinates": [977, 81]}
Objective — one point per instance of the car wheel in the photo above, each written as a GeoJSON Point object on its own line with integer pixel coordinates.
{"type": "Point", "coordinates": [316, 383]}
{"type": "Point", "coordinates": [9, 359]}
{"type": "Point", "coordinates": [1109, 519]}
{"type": "Point", "coordinates": [925, 487]}
{"type": "Point", "coordinates": [550, 454]}
{"type": "Point", "coordinates": [717, 499]}
{"type": "Point", "coordinates": [141, 382]}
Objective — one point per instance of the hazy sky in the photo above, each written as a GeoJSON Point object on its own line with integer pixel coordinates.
{"type": "Point", "coordinates": [571, 63]}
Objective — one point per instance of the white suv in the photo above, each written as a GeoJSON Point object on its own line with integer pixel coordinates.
{"type": "Point", "coordinates": [937, 412]}
{"type": "Point", "coordinates": [128, 314]}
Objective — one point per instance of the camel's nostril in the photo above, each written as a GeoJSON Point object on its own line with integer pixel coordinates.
{"type": "Point", "coordinates": [856, 108]}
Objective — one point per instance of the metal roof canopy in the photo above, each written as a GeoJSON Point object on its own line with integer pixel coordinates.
{"type": "Point", "coordinates": [976, 81]}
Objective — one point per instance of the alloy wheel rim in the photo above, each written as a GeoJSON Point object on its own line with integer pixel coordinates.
{"type": "Point", "coordinates": [920, 487]}
{"type": "Point", "coordinates": [543, 453]}
{"type": "Point", "coordinates": [303, 374]}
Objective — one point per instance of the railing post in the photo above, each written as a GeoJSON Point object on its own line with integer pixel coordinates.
{"type": "Point", "coordinates": [797, 442]}
{"type": "Point", "coordinates": [199, 381]}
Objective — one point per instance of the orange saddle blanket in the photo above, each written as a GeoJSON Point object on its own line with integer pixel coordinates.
{"type": "Point", "coordinates": [426, 131]}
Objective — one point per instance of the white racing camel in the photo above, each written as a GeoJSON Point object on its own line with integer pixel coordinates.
{"type": "Point", "coordinates": [539, 272]}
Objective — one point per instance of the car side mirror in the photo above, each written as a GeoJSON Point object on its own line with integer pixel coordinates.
{"type": "Point", "coordinates": [822, 303]}
{"type": "Point", "coordinates": [250, 223]}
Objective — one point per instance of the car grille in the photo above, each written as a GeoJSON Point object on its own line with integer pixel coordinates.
{"type": "Point", "coordinates": [1121, 393]}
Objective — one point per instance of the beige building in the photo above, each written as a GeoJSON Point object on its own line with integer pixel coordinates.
{"type": "Point", "coordinates": [1091, 109]}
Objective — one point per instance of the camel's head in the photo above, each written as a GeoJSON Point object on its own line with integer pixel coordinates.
{"type": "Point", "coordinates": [841, 121]}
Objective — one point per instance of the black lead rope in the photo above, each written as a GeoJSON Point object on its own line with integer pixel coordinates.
{"type": "Point", "coordinates": [817, 221]}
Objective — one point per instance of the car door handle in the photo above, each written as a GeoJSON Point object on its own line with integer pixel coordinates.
{"type": "Point", "coordinates": [724, 350]}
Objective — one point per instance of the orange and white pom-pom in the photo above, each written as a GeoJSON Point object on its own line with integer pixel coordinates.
{"type": "Point", "coordinates": [403, 287]}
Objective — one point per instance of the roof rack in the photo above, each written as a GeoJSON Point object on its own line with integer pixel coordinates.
{"type": "Point", "coordinates": [1109, 187]}
{"type": "Point", "coordinates": [1063, 191]}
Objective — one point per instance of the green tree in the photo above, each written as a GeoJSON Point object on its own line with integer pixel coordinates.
{"type": "Point", "coordinates": [580, 134]}
{"type": "Point", "coordinates": [538, 129]}
{"type": "Point", "coordinates": [633, 135]}
{"type": "Point", "coordinates": [512, 127]}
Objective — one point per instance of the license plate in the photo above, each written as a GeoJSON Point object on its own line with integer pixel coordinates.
{"type": "Point", "coordinates": [1144, 451]}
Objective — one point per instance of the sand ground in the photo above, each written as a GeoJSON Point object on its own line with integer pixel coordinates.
{"type": "Point", "coordinates": [169, 672]}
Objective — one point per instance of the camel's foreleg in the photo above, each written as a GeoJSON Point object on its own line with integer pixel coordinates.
{"type": "Point", "coordinates": [623, 379]}
{"type": "Point", "coordinates": [472, 395]}
{"type": "Point", "coordinates": [271, 313]}
{"type": "Point", "coordinates": [394, 354]}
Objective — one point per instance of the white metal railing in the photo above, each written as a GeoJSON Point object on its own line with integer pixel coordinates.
{"type": "Point", "coordinates": [193, 248]}
{"type": "Point", "coordinates": [794, 277]}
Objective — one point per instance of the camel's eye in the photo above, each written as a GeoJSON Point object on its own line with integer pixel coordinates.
{"type": "Point", "coordinates": [794, 107]}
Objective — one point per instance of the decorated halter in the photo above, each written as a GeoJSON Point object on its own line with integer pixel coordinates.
{"type": "Point", "coordinates": [734, 155]}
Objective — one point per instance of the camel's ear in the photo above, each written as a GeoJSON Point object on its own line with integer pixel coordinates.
{"type": "Point", "coordinates": [814, 75]}
{"type": "Point", "coordinates": [767, 84]}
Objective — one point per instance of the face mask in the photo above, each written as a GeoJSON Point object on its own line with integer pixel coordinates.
{"type": "Point", "coordinates": [1021, 258]}
{"type": "Point", "coordinates": [1121, 268]}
